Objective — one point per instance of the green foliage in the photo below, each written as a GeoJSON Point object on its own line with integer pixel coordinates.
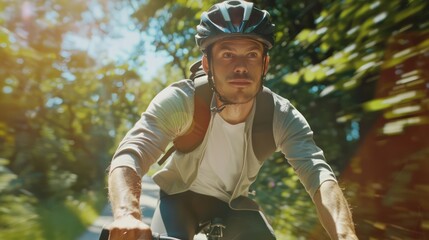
{"type": "Point", "coordinates": [284, 199]}
{"type": "Point", "coordinates": [23, 216]}
{"type": "Point", "coordinates": [337, 69]}
{"type": "Point", "coordinates": [18, 216]}
{"type": "Point", "coordinates": [75, 213]}
{"type": "Point", "coordinates": [60, 111]}
{"type": "Point", "coordinates": [172, 26]}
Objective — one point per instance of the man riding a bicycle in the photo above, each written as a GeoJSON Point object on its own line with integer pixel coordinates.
{"type": "Point", "coordinates": [212, 180]}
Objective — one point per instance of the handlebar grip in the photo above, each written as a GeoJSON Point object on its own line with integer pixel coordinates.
{"type": "Point", "coordinates": [158, 237]}
{"type": "Point", "coordinates": [104, 235]}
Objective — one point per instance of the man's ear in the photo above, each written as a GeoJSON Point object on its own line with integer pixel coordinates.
{"type": "Point", "coordinates": [267, 64]}
{"type": "Point", "coordinates": [205, 63]}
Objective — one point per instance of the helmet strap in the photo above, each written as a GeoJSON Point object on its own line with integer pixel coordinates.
{"type": "Point", "coordinates": [264, 61]}
{"type": "Point", "coordinates": [224, 101]}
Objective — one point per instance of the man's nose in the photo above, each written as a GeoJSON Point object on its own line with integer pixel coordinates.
{"type": "Point", "coordinates": [240, 66]}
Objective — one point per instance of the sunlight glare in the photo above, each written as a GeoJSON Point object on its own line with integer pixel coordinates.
{"type": "Point", "coordinates": [407, 109]}
{"type": "Point", "coordinates": [327, 90]}
{"type": "Point", "coordinates": [402, 53]}
{"type": "Point", "coordinates": [380, 17]}
{"type": "Point", "coordinates": [27, 10]}
{"type": "Point", "coordinates": [407, 80]}
{"type": "Point", "coordinates": [400, 97]}
{"type": "Point", "coordinates": [397, 127]}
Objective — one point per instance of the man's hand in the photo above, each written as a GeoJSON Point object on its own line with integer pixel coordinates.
{"type": "Point", "coordinates": [129, 228]}
{"type": "Point", "coordinates": [124, 192]}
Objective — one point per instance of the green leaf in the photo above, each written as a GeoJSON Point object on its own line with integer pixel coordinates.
{"type": "Point", "coordinates": [407, 12]}
{"type": "Point", "coordinates": [292, 78]}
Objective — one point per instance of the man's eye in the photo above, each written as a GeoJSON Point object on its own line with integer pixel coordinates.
{"type": "Point", "coordinates": [253, 55]}
{"type": "Point", "coordinates": [227, 55]}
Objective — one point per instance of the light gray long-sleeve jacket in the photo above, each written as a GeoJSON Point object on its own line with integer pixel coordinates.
{"type": "Point", "coordinates": [170, 114]}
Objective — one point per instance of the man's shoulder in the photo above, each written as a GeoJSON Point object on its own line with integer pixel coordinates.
{"type": "Point", "coordinates": [281, 104]}
{"type": "Point", "coordinates": [176, 94]}
{"type": "Point", "coordinates": [182, 89]}
{"type": "Point", "coordinates": [285, 111]}
{"type": "Point", "coordinates": [186, 85]}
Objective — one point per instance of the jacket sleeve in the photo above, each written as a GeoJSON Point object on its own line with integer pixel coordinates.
{"type": "Point", "coordinates": [168, 115]}
{"type": "Point", "coordinates": [294, 137]}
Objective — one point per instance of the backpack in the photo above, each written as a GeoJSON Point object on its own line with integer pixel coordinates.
{"type": "Point", "coordinates": [262, 129]}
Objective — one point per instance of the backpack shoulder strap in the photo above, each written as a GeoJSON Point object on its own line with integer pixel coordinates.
{"type": "Point", "coordinates": [201, 118]}
{"type": "Point", "coordinates": [262, 130]}
{"type": "Point", "coordinates": [197, 70]}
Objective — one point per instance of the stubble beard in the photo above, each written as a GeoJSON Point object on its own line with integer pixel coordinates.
{"type": "Point", "coordinates": [241, 96]}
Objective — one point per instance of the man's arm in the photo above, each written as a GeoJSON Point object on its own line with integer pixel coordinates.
{"type": "Point", "coordinates": [334, 212]}
{"type": "Point", "coordinates": [124, 193]}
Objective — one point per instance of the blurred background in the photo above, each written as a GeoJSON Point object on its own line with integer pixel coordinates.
{"type": "Point", "coordinates": [75, 76]}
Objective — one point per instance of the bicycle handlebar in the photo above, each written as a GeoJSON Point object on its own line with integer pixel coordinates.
{"type": "Point", "coordinates": [105, 236]}
{"type": "Point", "coordinates": [155, 237]}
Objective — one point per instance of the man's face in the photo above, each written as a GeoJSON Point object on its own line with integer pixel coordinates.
{"type": "Point", "coordinates": [237, 65]}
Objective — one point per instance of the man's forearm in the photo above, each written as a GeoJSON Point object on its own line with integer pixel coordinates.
{"type": "Point", "coordinates": [334, 212]}
{"type": "Point", "coordinates": [124, 192]}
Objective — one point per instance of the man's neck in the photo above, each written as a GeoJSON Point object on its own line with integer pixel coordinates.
{"type": "Point", "coordinates": [236, 113]}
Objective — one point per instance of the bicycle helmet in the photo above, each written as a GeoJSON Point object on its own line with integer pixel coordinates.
{"type": "Point", "coordinates": [234, 19]}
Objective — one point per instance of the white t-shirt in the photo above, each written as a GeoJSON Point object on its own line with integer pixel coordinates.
{"type": "Point", "coordinates": [223, 160]}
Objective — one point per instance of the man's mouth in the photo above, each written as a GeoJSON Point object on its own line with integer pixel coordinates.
{"type": "Point", "coordinates": [240, 82]}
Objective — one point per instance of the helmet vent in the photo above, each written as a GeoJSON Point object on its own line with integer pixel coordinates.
{"type": "Point", "coordinates": [234, 18]}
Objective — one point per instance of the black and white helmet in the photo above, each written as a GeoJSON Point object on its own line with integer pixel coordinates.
{"type": "Point", "coordinates": [234, 19]}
